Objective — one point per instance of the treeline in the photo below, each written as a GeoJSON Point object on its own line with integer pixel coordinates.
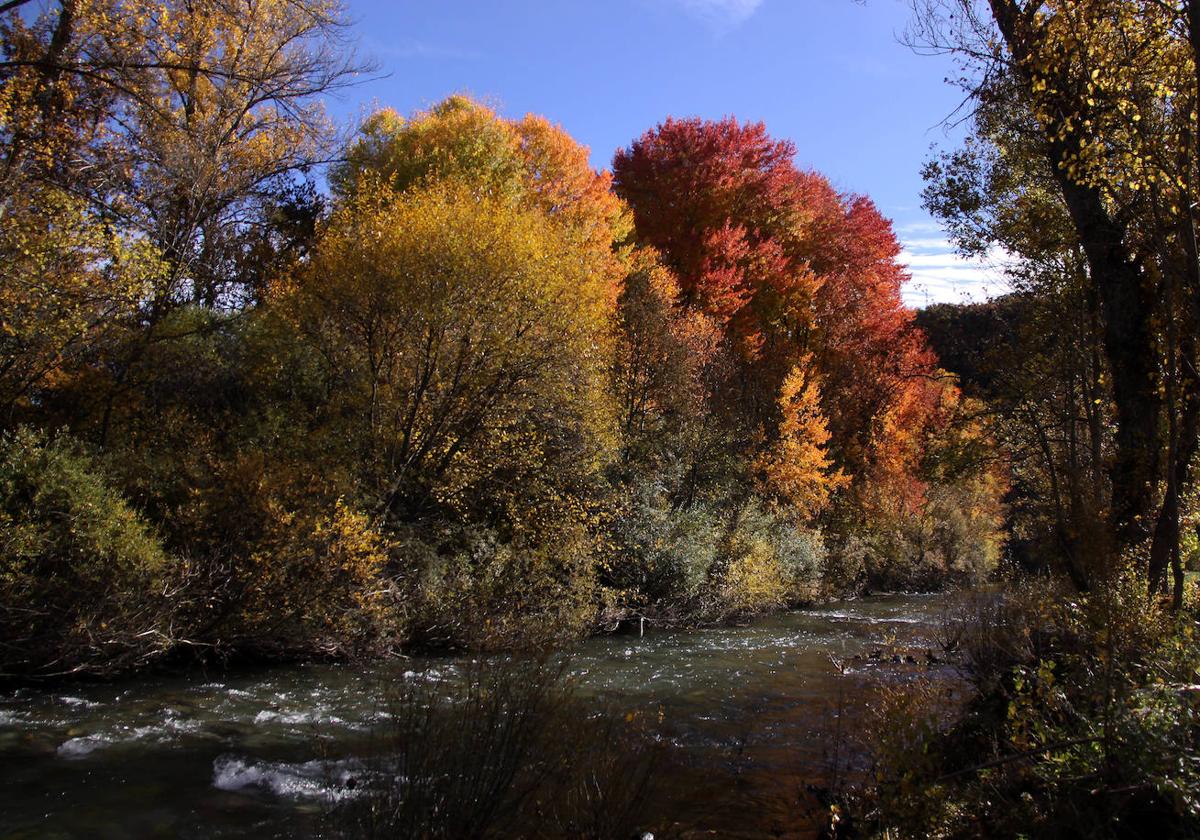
{"type": "Point", "coordinates": [476, 393]}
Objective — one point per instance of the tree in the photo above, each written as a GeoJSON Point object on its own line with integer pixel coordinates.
{"type": "Point", "coordinates": [528, 161]}
{"type": "Point", "coordinates": [466, 344]}
{"type": "Point", "coordinates": [874, 360]}
{"type": "Point", "coordinates": [796, 469]}
{"type": "Point", "coordinates": [457, 139]}
{"type": "Point", "coordinates": [662, 353]}
{"type": "Point", "coordinates": [1110, 90]}
{"type": "Point", "coordinates": [1035, 359]}
{"type": "Point", "coordinates": [173, 120]}
{"type": "Point", "coordinates": [67, 286]}
{"type": "Point", "coordinates": [727, 241]}
{"type": "Point", "coordinates": [789, 268]}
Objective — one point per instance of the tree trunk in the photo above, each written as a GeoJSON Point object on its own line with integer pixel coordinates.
{"type": "Point", "coordinates": [1126, 303]}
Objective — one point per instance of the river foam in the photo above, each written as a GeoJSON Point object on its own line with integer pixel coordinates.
{"type": "Point", "coordinates": [82, 746]}
{"type": "Point", "coordinates": [324, 780]}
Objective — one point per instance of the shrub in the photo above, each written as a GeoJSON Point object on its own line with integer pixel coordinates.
{"type": "Point", "coordinates": [664, 552]}
{"type": "Point", "coordinates": [501, 750]}
{"type": "Point", "coordinates": [1084, 722]}
{"type": "Point", "coordinates": [315, 583]}
{"type": "Point", "coordinates": [84, 583]}
{"type": "Point", "coordinates": [475, 589]}
{"type": "Point", "coordinates": [693, 563]}
{"type": "Point", "coordinates": [767, 562]}
{"type": "Point", "coordinates": [953, 538]}
{"type": "Point", "coordinates": [803, 557]}
{"type": "Point", "coordinates": [843, 572]}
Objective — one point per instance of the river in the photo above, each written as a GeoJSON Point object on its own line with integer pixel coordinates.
{"type": "Point", "coordinates": [750, 715]}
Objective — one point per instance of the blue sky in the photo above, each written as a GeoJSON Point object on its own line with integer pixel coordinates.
{"type": "Point", "coordinates": [830, 75]}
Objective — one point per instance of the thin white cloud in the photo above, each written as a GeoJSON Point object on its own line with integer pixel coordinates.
{"type": "Point", "coordinates": [721, 14]}
{"type": "Point", "coordinates": [913, 228]}
{"type": "Point", "coordinates": [941, 275]}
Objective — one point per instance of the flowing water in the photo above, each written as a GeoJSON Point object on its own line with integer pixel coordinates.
{"type": "Point", "coordinates": [750, 716]}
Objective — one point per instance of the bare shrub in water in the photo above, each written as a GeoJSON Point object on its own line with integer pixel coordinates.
{"type": "Point", "coordinates": [502, 750]}
{"type": "Point", "coordinates": [988, 632]}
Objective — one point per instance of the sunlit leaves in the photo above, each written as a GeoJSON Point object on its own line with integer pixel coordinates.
{"type": "Point", "coordinates": [529, 162]}
{"type": "Point", "coordinates": [1114, 81]}
{"type": "Point", "coordinates": [175, 119]}
{"type": "Point", "coordinates": [65, 282]}
{"type": "Point", "coordinates": [469, 338]}
{"type": "Point", "coordinates": [798, 276]}
{"type": "Point", "coordinates": [796, 469]}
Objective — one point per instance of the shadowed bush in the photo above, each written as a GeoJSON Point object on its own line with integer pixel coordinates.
{"type": "Point", "coordinates": [501, 750]}
{"type": "Point", "coordinates": [472, 588]}
{"type": "Point", "coordinates": [1084, 721]}
{"type": "Point", "coordinates": [316, 583]}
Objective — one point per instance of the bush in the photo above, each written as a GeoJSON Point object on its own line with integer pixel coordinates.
{"type": "Point", "coordinates": [844, 570]}
{"type": "Point", "coordinates": [954, 538]}
{"type": "Point", "coordinates": [752, 580]}
{"type": "Point", "coordinates": [686, 563]}
{"type": "Point", "coordinates": [1085, 721]}
{"type": "Point", "coordinates": [803, 557]}
{"type": "Point", "coordinates": [474, 589]}
{"type": "Point", "coordinates": [664, 553]}
{"type": "Point", "coordinates": [316, 584]}
{"type": "Point", "coordinates": [84, 583]}
{"type": "Point", "coordinates": [501, 750]}
{"type": "Point", "coordinates": [768, 562]}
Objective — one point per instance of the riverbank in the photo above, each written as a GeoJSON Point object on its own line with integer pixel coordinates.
{"type": "Point", "coordinates": [1082, 719]}
{"type": "Point", "coordinates": [747, 717]}
{"type": "Point", "coordinates": [190, 657]}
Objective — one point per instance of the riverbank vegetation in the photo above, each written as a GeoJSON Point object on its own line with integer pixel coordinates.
{"type": "Point", "coordinates": [1082, 717]}
{"type": "Point", "coordinates": [273, 389]}
{"type": "Point", "coordinates": [1082, 167]}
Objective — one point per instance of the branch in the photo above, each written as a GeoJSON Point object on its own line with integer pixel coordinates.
{"type": "Point", "coordinates": [9, 6]}
{"type": "Point", "coordinates": [1008, 759]}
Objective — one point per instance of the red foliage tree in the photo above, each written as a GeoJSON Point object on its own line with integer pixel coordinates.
{"type": "Point", "coordinates": [715, 198]}
{"type": "Point", "coordinates": [790, 268]}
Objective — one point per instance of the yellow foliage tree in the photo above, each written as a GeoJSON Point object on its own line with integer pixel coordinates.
{"type": "Point", "coordinates": [530, 162]}
{"type": "Point", "coordinates": [1108, 93]}
{"type": "Point", "coordinates": [66, 282]}
{"type": "Point", "coordinates": [174, 116]}
{"type": "Point", "coordinates": [469, 340]}
{"type": "Point", "coordinates": [796, 470]}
